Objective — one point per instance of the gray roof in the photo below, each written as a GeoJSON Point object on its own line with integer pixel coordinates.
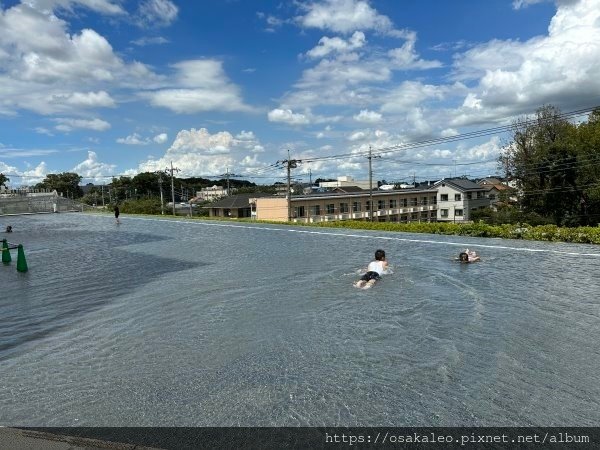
{"type": "Point", "coordinates": [347, 189]}
{"type": "Point", "coordinates": [461, 183]}
{"type": "Point", "coordinates": [236, 201]}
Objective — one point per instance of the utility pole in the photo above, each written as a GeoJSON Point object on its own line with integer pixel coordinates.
{"type": "Point", "coordinates": [173, 185]}
{"type": "Point", "coordinates": [227, 175]}
{"type": "Point", "coordinates": [160, 181]}
{"type": "Point", "coordinates": [289, 164]}
{"type": "Point", "coordinates": [370, 157]}
{"type": "Point", "coordinates": [289, 189]}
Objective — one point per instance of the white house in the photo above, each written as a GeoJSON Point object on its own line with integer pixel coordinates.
{"type": "Point", "coordinates": [346, 182]}
{"type": "Point", "coordinates": [211, 193]}
{"type": "Point", "coordinates": [457, 198]}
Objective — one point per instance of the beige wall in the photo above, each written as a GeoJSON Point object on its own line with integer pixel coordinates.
{"type": "Point", "coordinates": [275, 208]}
{"type": "Point", "coordinates": [272, 208]}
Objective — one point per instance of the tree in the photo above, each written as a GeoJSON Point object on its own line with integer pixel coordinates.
{"type": "Point", "coordinates": [556, 167]}
{"type": "Point", "coordinates": [3, 180]}
{"type": "Point", "coordinates": [65, 183]}
{"type": "Point", "coordinates": [146, 184]}
{"type": "Point", "coordinates": [120, 189]}
{"type": "Point", "coordinates": [588, 177]}
{"type": "Point", "coordinates": [542, 161]}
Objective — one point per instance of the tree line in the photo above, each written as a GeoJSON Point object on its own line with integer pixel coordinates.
{"type": "Point", "coordinates": [554, 166]}
{"type": "Point", "coordinates": [145, 185]}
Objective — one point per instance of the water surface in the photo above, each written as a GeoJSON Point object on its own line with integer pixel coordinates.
{"type": "Point", "coordinates": [171, 323]}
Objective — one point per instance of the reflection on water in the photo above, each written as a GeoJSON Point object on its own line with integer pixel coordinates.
{"type": "Point", "coordinates": [157, 322]}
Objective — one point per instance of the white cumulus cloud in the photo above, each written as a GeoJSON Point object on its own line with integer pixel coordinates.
{"type": "Point", "coordinates": [287, 116]}
{"type": "Point", "coordinates": [368, 116]}
{"type": "Point", "coordinates": [91, 168]}
{"type": "Point", "coordinates": [512, 77]}
{"type": "Point", "coordinates": [336, 44]}
{"type": "Point", "coordinates": [67, 124]}
{"type": "Point", "coordinates": [133, 139]}
{"type": "Point", "coordinates": [157, 13]}
{"type": "Point", "coordinates": [160, 138]}
{"type": "Point", "coordinates": [203, 86]}
{"type": "Point", "coordinates": [345, 16]}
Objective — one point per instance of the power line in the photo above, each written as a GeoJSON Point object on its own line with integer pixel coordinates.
{"type": "Point", "coordinates": [458, 137]}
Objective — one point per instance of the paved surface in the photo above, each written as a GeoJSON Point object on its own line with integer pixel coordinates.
{"type": "Point", "coordinates": [16, 439]}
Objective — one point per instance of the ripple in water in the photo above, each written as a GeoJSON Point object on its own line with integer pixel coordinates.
{"type": "Point", "coordinates": [163, 323]}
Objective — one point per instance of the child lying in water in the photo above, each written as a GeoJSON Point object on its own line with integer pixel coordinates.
{"type": "Point", "coordinates": [468, 256]}
{"type": "Point", "coordinates": [374, 271]}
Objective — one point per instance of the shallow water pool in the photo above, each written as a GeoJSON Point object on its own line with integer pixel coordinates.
{"type": "Point", "coordinates": [174, 323]}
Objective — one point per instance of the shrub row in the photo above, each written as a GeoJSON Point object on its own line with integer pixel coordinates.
{"type": "Point", "coordinates": [580, 235]}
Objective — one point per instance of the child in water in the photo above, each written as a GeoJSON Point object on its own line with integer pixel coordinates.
{"type": "Point", "coordinates": [468, 256]}
{"type": "Point", "coordinates": [374, 271]}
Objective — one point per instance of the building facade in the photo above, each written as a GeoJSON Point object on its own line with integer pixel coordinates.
{"type": "Point", "coordinates": [211, 193]}
{"type": "Point", "coordinates": [447, 200]}
{"type": "Point", "coordinates": [407, 205]}
{"type": "Point", "coordinates": [457, 198]}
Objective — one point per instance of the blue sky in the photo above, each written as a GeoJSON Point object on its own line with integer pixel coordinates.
{"type": "Point", "coordinates": [117, 87]}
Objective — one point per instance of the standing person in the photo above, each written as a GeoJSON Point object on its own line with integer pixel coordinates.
{"type": "Point", "coordinates": [374, 271]}
{"type": "Point", "coordinates": [117, 214]}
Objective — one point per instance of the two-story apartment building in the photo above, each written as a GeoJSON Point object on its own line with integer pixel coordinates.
{"type": "Point", "coordinates": [446, 200]}
{"type": "Point", "coordinates": [406, 205]}
{"type": "Point", "coordinates": [457, 198]}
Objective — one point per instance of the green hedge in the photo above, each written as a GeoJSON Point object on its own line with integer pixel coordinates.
{"type": "Point", "coordinates": [580, 235]}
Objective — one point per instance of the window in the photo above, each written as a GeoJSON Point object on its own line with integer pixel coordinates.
{"type": "Point", "coordinates": [315, 210]}
{"type": "Point", "coordinates": [299, 211]}
{"type": "Point", "coordinates": [492, 197]}
{"type": "Point", "coordinates": [457, 197]}
{"type": "Point", "coordinates": [424, 201]}
{"type": "Point", "coordinates": [480, 194]}
{"type": "Point", "coordinates": [443, 197]}
{"type": "Point", "coordinates": [355, 206]}
{"type": "Point", "coordinates": [404, 202]}
{"type": "Point", "coordinates": [380, 204]}
{"type": "Point", "coordinates": [368, 207]}
{"type": "Point", "coordinates": [433, 200]}
{"type": "Point", "coordinates": [394, 204]}
{"type": "Point", "coordinates": [443, 212]}
{"type": "Point", "coordinates": [330, 207]}
{"type": "Point", "coordinates": [469, 195]}
{"type": "Point", "coordinates": [458, 212]}
{"type": "Point", "coordinates": [344, 208]}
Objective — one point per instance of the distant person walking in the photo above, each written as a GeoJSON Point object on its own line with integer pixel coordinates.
{"type": "Point", "coordinates": [117, 212]}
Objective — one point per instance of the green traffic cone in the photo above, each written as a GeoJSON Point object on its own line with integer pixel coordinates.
{"type": "Point", "coordinates": [21, 263]}
{"type": "Point", "coordinates": [5, 252]}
